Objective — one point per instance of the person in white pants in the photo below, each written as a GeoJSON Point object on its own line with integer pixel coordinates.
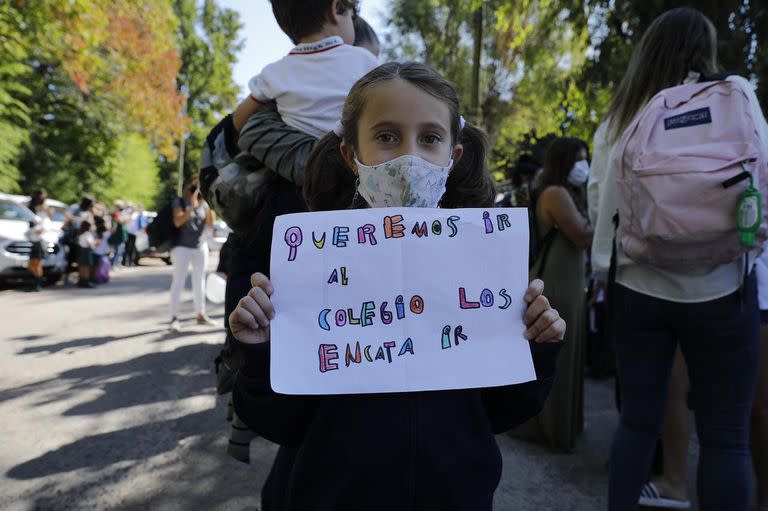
{"type": "Point", "coordinates": [191, 215]}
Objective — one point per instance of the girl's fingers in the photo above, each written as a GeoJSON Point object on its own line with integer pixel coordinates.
{"type": "Point", "coordinates": [555, 332]}
{"type": "Point", "coordinates": [535, 289]}
{"type": "Point", "coordinates": [260, 280]}
{"type": "Point", "coordinates": [542, 324]}
{"type": "Point", "coordinates": [535, 309]}
{"type": "Point", "coordinates": [241, 316]}
{"type": "Point", "coordinates": [259, 295]}
{"type": "Point", "coordinates": [249, 305]}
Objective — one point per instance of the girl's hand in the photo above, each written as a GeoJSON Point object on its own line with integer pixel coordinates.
{"type": "Point", "coordinates": [544, 323]}
{"type": "Point", "coordinates": [249, 322]}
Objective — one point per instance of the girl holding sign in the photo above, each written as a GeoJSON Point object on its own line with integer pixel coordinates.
{"type": "Point", "coordinates": [421, 450]}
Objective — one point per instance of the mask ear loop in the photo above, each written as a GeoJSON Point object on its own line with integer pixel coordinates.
{"type": "Point", "coordinates": [357, 193]}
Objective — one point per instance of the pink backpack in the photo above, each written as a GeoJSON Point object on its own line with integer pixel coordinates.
{"type": "Point", "coordinates": [683, 164]}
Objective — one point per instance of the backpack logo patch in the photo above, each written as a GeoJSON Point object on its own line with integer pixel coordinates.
{"type": "Point", "coordinates": [688, 119]}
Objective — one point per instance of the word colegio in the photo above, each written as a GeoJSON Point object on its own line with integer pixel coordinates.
{"type": "Point", "coordinates": [346, 316]}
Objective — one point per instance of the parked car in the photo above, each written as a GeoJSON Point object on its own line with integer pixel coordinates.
{"type": "Point", "coordinates": [15, 248]}
{"type": "Point", "coordinates": [143, 247]}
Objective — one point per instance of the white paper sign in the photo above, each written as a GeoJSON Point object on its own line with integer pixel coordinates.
{"type": "Point", "coordinates": [398, 300]}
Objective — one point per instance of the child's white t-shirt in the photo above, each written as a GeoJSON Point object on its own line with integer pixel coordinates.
{"type": "Point", "coordinates": [311, 83]}
{"type": "Point", "coordinates": [86, 240]}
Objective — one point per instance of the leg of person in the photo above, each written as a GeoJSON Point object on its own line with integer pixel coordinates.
{"type": "Point", "coordinates": [130, 249]}
{"type": "Point", "coordinates": [39, 274]}
{"type": "Point", "coordinates": [181, 257]}
{"type": "Point", "coordinates": [720, 340]}
{"type": "Point", "coordinates": [759, 437]}
{"type": "Point", "coordinates": [645, 349]}
{"type": "Point", "coordinates": [670, 490]}
{"type": "Point", "coordinates": [199, 265]}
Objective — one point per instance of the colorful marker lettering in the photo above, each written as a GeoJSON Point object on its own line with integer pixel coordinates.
{"type": "Point", "coordinates": [452, 225]}
{"type": "Point", "coordinates": [457, 334]}
{"type": "Point", "coordinates": [367, 353]}
{"type": "Point", "coordinates": [417, 304]}
{"type": "Point", "coordinates": [341, 317]}
{"type": "Point", "coordinates": [486, 298]}
{"type": "Point", "coordinates": [318, 243]}
{"type": "Point", "coordinates": [344, 279]}
{"type": "Point", "coordinates": [322, 319]}
{"type": "Point", "coordinates": [356, 359]}
{"type": "Point", "coordinates": [393, 227]}
{"type": "Point", "coordinates": [367, 313]}
{"type": "Point", "coordinates": [407, 347]}
{"type": "Point", "coordinates": [328, 352]}
{"type": "Point", "coordinates": [446, 338]}
{"type": "Point", "coordinates": [399, 307]}
{"type": "Point", "coordinates": [502, 221]}
{"type": "Point", "coordinates": [340, 236]}
{"type": "Point", "coordinates": [437, 228]}
{"type": "Point", "coordinates": [389, 345]}
{"type": "Point", "coordinates": [351, 318]}
{"type": "Point", "coordinates": [293, 238]}
{"type": "Point", "coordinates": [507, 299]}
{"type": "Point", "coordinates": [420, 229]}
{"type": "Point", "coordinates": [488, 223]}
{"type": "Point", "coordinates": [463, 303]}
{"type": "Point", "coordinates": [366, 230]}
{"type": "Point", "coordinates": [384, 314]}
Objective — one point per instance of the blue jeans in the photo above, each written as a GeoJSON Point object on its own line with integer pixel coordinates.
{"type": "Point", "coordinates": [117, 257]}
{"type": "Point", "coordinates": [720, 341]}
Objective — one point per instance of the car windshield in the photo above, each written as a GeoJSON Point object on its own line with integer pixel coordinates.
{"type": "Point", "coordinates": [12, 211]}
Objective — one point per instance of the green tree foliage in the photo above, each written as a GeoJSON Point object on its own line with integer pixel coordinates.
{"type": "Point", "coordinates": [135, 171]}
{"type": "Point", "coordinates": [208, 42]}
{"type": "Point", "coordinates": [14, 113]}
{"type": "Point", "coordinates": [550, 66]}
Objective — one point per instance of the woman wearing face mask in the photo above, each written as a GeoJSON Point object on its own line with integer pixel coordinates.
{"type": "Point", "coordinates": [564, 233]}
{"type": "Point", "coordinates": [401, 143]}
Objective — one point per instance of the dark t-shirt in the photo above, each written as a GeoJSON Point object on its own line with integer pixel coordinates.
{"type": "Point", "coordinates": [191, 232]}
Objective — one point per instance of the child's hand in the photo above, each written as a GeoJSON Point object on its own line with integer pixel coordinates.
{"type": "Point", "coordinates": [249, 322]}
{"type": "Point", "coordinates": [544, 323]}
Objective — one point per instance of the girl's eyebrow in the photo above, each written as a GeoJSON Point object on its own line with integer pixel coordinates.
{"type": "Point", "coordinates": [424, 126]}
{"type": "Point", "coordinates": [433, 126]}
{"type": "Point", "coordinates": [384, 124]}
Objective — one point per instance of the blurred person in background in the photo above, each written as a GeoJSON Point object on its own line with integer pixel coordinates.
{"type": "Point", "coordinates": [191, 215]}
{"type": "Point", "coordinates": [558, 204]}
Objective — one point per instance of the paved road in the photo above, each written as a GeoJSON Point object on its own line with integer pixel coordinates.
{"type": "Point", "coordinates": [103, 408]}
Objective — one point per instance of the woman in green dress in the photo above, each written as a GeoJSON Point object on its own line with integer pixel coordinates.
{"type": "Point", "coordinates": [563, 232]}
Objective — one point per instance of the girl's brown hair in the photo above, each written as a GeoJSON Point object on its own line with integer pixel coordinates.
{"type": "Point", "coordinates": [677, 42]}
{"type": "Point", "coordinates": [329, 183]}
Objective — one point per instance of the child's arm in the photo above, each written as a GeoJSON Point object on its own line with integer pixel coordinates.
{"type": "Point", "coordinates": [244, 110]}
{"type": "Point", "coordinates": [279, 147]}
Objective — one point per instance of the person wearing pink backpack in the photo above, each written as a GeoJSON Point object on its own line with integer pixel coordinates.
{"type": "Point", "coordinates": [677, 188]}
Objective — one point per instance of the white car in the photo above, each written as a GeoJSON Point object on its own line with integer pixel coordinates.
{"type": "Point", "coordinates": [15, 248]}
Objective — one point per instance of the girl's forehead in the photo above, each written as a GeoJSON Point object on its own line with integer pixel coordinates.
{"type": "Point", "coordinates": [400, 102]}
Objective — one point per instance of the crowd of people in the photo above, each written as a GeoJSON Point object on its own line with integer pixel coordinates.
{"type": "Point", "coordinates": [97, 239]}
{"type": "Point", "coordinates": [683, 338]}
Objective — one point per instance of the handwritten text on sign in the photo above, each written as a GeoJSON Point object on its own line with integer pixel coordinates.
{"type": "Point", "coordinates": [398, 300]}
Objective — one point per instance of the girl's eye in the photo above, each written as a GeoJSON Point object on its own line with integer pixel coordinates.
{"type": "Point", "coordinates": [387, 138]}
{"type": "Point", "coordinates": [432, 139]}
